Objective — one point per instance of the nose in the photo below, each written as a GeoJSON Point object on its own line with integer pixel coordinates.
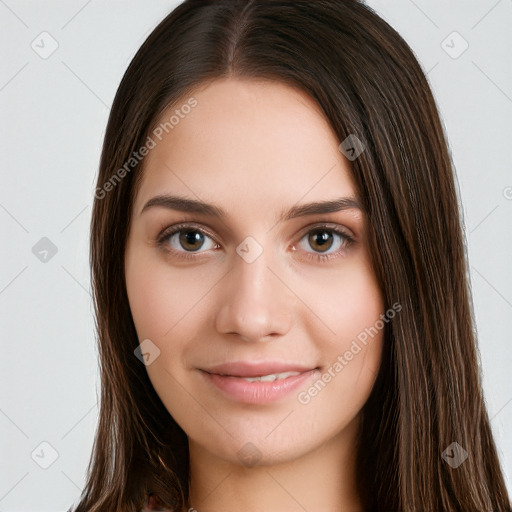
{"type": "Point", "coordinates": [255, 304]}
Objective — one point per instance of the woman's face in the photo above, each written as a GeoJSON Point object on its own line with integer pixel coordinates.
{"type": "Point", "coordinates": [256, 283]}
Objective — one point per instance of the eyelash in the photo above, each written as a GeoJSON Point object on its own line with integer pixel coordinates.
{"type": "Point", "coordinates": [168, 232]}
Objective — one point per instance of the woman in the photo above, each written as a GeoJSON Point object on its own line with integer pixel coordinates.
{"type": "Point", "coordinates": [279, 272]}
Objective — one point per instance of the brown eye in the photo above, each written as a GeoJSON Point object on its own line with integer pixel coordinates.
{"type": "Point", "coordinates": [182, 239]}
{"type": "Point", "coordinates": [320, 240]}
{"type": "Point", "coordinates": [325, 242]}
{"type": "Point", "coordinates": [191, 240]}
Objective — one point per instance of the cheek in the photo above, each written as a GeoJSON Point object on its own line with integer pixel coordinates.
{"type": "Point", "coordinates": [360, 306]}
{"type": "Point", "coordinates": [352, 307]}
{"type": "Point", "coordinates": [346, 301]}
{"type": "Point", "coordinates": [360, 321]}
{"type": "Point", "coordinates": [161, 298]}
{"type": "Point", "coordinates": [162, 303]}
{"type": "Point", "coordinates": [150, 303]}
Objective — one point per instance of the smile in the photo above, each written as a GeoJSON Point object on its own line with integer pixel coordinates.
{"type": "Point", "coordinates": [252, 384]}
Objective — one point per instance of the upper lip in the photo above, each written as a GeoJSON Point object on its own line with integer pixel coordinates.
{"type": "Point", "coordinates": [253, 369]}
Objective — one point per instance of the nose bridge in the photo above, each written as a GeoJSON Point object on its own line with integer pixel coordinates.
{"type": "Point", "coordinates": [255, 303]}
{"type": "Point", "coordinates": [251, 269]}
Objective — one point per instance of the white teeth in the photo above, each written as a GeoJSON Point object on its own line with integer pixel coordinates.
{"type": "Point", "coordinates": [271, 377]}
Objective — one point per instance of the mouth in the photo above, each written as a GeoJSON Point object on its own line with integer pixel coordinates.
{"type": "Point", "coordinates": [257, 383]}
{"type": "Point", "coordinates": [265, 378]}
{"type": "Point", "coordinates": [249, 369]}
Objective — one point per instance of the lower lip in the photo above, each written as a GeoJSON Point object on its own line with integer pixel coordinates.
{"type": "Point", "coordinates": [257, 392]}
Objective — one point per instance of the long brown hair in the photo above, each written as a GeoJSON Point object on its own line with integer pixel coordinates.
{"type": "Point", "coordinates": [368, 83]}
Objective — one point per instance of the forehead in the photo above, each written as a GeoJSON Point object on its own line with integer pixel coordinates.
{"type": "Point", "coordinates": [262, 141]}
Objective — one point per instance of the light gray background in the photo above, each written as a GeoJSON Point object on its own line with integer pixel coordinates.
{"type": "Point", "coordinates": [54, 112]}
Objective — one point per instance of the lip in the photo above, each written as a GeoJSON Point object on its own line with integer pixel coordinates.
{"type": "Point", "coordinates": [229, 379]}
{"type": "Point", "coordinates": [248, 369]}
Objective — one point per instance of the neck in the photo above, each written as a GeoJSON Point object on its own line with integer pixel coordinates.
{"type": "Point", "coordinates": [323, 479]}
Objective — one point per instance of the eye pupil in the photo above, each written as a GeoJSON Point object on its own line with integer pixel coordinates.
{"type": "Point", "coordinates": [189, 238]}
{"type": "Point", "coordinates": [321, 238]}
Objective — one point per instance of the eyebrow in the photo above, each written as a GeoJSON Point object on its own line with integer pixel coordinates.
{"type": "Point", "coordinates": [188, 205]}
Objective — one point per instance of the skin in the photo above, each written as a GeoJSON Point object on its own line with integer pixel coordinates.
{"type": "Point", "coordinates": [255, 148]}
